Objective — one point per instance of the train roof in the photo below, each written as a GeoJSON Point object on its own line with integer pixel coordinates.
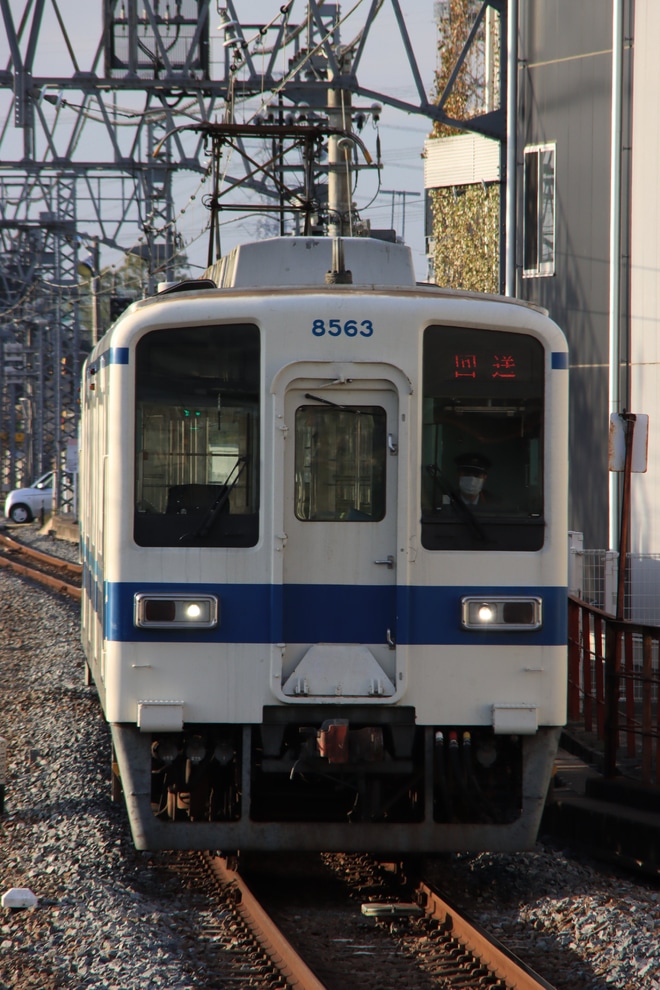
{"type": "Point", "coordinates": [283, 264]}
{"type": "Point", "coordinates": [313, 261]}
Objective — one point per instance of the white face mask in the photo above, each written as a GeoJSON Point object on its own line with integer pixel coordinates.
{"type": "Point", "coordinates": [470, 485]}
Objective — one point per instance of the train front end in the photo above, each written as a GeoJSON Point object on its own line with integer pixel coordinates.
{"type": "Point", "coordinates": [308, 631]}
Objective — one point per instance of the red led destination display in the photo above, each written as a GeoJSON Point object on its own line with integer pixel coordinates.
{"type": "Point", "coordinates": [472, 359]}
{"type": "Point", "coordinates": [471, 365]}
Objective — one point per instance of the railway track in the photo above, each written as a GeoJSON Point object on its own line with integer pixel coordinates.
{"type": "Point", "coordinates": [57, 574]}
{"type": "Point", "coordinates": [480, 950]}
{"type": "Point", "coordinates": [240, 940]}
{"type": "Point", "coordinates": [123, 917]}
{"type": "Point", "coordinates": [451, 951]}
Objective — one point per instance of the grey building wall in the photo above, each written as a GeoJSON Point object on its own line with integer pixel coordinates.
{"type": "Point", "coordinates": [564, 97]}
{"type": "Point", "coordinates": [645, 284]}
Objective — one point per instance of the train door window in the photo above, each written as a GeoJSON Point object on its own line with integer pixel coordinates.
{"type": "Point", "coordinates": [340, 461]}
{"type": "Point", "coordinates": [197, 437]}
{"type": "Point", "coordinates": [482, 440]}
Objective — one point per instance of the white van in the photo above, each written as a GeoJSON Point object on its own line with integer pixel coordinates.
{"type": "Point", "coordinates": [24, 504]}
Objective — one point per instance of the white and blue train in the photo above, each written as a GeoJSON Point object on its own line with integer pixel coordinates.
{"type": "Point", "coordinates": [324, 531]}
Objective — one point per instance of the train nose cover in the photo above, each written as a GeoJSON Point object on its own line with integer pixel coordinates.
{"type": "Point", "coordinates": [331, 670]}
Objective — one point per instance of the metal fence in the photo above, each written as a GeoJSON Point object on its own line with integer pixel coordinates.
{"type": "Point", "coordinates": [593, 578]}
{"type": "Point", "coordinates": [613, 680]}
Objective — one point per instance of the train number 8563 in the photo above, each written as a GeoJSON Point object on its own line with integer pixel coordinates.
{"type": "Point", "coordinates": [334, 328]}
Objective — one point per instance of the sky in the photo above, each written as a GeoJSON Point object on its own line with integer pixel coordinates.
{"type": "Point", "coordinates": [384, 68]}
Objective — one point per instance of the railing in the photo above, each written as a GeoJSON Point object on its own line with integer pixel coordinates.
{"type": "Point", "coordinates": [594, 576]}
{"type": "Point", "coordinates": [613, 681]}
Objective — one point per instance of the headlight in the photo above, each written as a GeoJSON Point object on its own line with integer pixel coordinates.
{"type": "Point", "coordinates": [507, 612]}
{"type": "Point", "coordinates": [176, 611]}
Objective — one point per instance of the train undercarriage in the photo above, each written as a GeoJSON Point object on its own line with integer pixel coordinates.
{"type": "Point", "coordinates": [362, 779]}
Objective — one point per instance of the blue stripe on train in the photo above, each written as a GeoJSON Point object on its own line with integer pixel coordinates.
{"type": "Point", "coordinates": [261, 613]}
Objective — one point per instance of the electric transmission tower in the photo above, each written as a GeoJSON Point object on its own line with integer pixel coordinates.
{"type": "Point", "coordinates": [91, 143]}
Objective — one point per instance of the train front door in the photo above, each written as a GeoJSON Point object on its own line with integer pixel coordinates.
{"type": "Point", "coordinates": [340, 556]}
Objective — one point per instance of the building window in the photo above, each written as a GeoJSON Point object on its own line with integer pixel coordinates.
{"type": "Point", "coordinates": [539, 221]}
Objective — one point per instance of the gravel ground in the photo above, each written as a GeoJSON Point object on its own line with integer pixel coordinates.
{"type": "Point", "coordinates": [548, 905]}
{"type": "Point", "coordinates": [104, 910]}
{"type": "Point", "coordinates": [104, 916]}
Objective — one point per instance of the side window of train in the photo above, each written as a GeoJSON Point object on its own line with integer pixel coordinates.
{"type": "Point", "coordinates": [482, 440]}
{"type": "Point", "coordinates": [197, 437]}
{"type": "Point", "coordinates": [340, 462]}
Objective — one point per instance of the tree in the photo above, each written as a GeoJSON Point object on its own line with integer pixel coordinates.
{"type": "Point", "coordinates": [466, 218]}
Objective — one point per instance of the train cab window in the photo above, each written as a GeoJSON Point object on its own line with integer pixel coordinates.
{"type": "Point", "coordinates": [340, 461]}
{"type": "Point", "coordinates": [197, 437]}
{"type": "Point", "coordinates": [482, 440]}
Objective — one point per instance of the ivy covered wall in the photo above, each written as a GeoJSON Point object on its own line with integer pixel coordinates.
{"type": "Point", "coordinates": [466, 219]}
{"type": "Point", "coordinates": [466, 232]}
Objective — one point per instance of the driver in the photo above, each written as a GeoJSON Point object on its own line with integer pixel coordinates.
{"type": "Point", "coordinates": [472, 473]}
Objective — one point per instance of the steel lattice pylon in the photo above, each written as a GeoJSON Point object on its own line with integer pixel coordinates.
{"type": "Point", "coordinates": [91, 141]}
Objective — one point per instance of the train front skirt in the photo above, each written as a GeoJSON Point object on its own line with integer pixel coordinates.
{"type": "Point", "coordinates": [342, 784]}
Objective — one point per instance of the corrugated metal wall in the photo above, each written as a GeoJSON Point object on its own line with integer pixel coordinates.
{"type": "Point", "coordinates": [564, 92]}
{"type": "Point", "coordinates": [645, 273]}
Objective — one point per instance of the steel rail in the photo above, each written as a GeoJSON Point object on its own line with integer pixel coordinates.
{"type": "Point", "coordinates": [500, 960]}
{"type": "Point", "coordinates": [33, 573]}
{"type": "Point", "coordinates": [280, 951]}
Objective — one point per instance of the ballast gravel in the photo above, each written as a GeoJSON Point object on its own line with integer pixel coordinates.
{"type": "Point", "coordinates": [105, 913]}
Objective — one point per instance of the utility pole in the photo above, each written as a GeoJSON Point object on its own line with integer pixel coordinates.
{"type": "Point", "coordinates": [90, 268]}
{"type": "Point", "coordinates": [340, 150]}
{"type": "Point", "coordinates": [401, 194]}
{"type": "Point", "coordinates": [78, 148]}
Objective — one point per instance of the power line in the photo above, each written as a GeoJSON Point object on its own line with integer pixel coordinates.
{"type": "Point", "coordinates": [403, 195]}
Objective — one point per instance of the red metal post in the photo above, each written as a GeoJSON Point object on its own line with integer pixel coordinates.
{"type": "Point", "coordinates": [573, 661]}
{"type": "Point", "coordinates": [612, 677]}
{"type": "Point", "coordinates": [600, 675]}
{"type": "Point", "coordinates": [657, 733]}
{"type": "Point", "coordinates": [647, 708]}
{"type": "Point", "coordinates": [587, 658]}
{"type": "Point", "coordinates": [627, 683]}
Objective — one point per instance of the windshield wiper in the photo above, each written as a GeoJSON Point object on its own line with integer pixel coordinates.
{"type": "Point", "coordinates": [219, 503]}
{"type": "Point", "coordinates": [336, 405]}
{"type": "Point", "coordinates": [327, 402]}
